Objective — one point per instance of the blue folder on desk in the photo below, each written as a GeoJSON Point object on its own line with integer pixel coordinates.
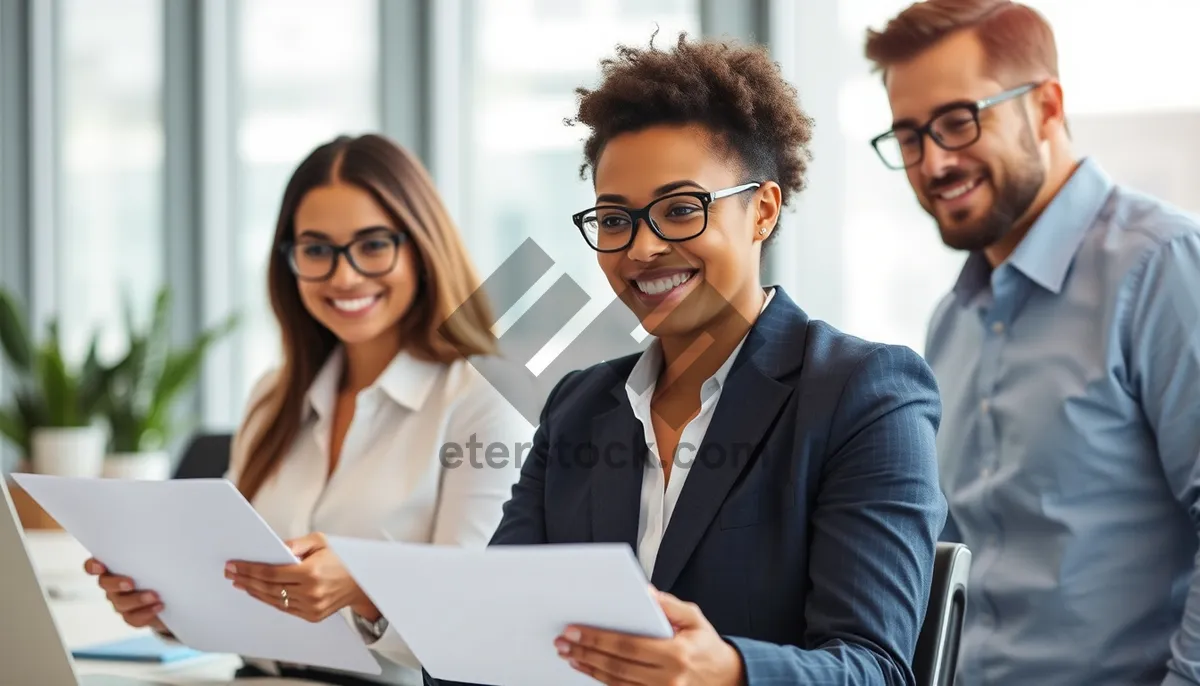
{"type": "Point", "coordinates": [138, 649]}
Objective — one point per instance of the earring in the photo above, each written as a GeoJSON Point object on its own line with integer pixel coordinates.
{"type": "Point", "coordinates": [763, 230]}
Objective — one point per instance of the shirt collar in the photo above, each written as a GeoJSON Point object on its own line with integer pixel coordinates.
{"type": "Point", "coordinates": [1045, 254]}
{"type": "Point", "coordinates": [973, 278]}
{"type": "Point", "coordinates": [407, 380]}
{"type": "Point", "coordinates": [644, 375]}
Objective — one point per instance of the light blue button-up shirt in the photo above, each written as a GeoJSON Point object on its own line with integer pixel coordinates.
{"type": "Point", "coordinates": [1070, 444]}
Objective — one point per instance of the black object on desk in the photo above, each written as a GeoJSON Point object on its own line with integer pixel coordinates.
{"type": "Point", "coordinates": [206, 457]}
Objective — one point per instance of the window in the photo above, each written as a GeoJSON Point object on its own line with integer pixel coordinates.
{"type": "Point", "coordinates": [522, 162]}
{"type": "Point", "coordinates": [885, 295]}
{"type": "Point", "coordinates": [1136, 116]}
{"type": "Point", "coordinates": [109, 237]}
{"type": "Point", "coordinates": [1144, 75]}
{"type": "Point", "coordinates": [308, 71]}
{"type": "Point", "coordinates": [895, 268]}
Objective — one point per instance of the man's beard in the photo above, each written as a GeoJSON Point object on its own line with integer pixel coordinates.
{"type": "Point", "coordinates": [1011, 202]}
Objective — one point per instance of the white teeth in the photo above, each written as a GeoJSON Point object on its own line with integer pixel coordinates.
{"type": "Point", "coordinates": [356, 305]}
{"type": "Point", "coordinates": [958, 190]}
{"type": "Point", "coordinates": [664, 284]}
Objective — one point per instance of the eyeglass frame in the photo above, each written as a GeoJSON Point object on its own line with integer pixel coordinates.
{"type": "Point", "coordinates": [640, 216]}
{"type": "Point", "coordinates": [398, 238]}
{"type": "Point", "coordinates": [927, 128]}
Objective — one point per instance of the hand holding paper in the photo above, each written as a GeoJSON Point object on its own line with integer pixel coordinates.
{"type": "Point", "coordinates": [139, 607]}
{"type": "Point", "coordinates": [696, 654]}
{"type": "Point", "coordinates": [491, 616]}
{"type": "Point", "coordinates": [316, 588]}
{"type": "Point", "coordinates": [175, 538]}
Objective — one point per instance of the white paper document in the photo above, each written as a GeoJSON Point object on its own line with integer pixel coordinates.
{"type": "Point", "coordinates": [491, 616]}
{"type": "Point", "coordinates": [174, 538]}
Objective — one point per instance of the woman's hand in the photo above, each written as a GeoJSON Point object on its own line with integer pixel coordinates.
{"type": "Point", "coordinates": [695, 656]}
{"type": "Point", "coordinates": [314, 589]}
{"type": "Point", "coordinates": [138, 607]}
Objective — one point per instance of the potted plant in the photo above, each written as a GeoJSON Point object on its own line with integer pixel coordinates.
{"type": "Point", "coordinates": [142, 389]}
{"type": "Point", "coordinates": [52, 417]}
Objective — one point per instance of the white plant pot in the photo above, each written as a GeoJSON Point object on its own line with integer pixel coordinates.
{"type": "Point", "coordinates": [74, 451]}
{"type": "Point", "coordinates": [147, 466]}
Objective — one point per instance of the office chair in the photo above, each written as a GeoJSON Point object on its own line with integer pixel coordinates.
{"type": "Point", "coordinates": [206, 457]}
{"type": "Point", "coordinates": [936, 659]}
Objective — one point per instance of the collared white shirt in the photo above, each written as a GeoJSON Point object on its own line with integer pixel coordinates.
{"type": "Point", "coordinates": [392, 480]}
{"type": "Point", "coordinates": [658, 501]}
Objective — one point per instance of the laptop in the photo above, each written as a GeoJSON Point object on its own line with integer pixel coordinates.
{"type": "Point", "coordinates": [32, 650]}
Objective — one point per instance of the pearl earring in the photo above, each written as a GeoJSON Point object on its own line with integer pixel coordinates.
{"type": "Point", "coordinates": [763, 230]}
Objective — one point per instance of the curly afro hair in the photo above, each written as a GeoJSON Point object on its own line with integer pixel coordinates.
{"type": "Point", "coordinates": [738, 93]}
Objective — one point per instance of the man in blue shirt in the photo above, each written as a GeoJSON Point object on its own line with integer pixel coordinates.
{"type": "Point", "coordinates": [1068, 356]}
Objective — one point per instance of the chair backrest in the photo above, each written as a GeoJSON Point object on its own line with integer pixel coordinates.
{"type": "Point", "coordinates": [206, 457]}
{"type": "Point", "coordinates": [936, 658]}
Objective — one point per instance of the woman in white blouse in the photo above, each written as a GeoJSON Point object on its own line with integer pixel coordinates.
{"type": "Point", "coordinates": [377, 304]}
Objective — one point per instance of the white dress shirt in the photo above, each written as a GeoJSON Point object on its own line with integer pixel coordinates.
{"type": "Point", "coordinates": [658, 501]}
{"type": "Point", "coordinates": [390, 481]}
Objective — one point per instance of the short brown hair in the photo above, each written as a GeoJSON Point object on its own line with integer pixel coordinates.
{"type": "Point", "coordinates": [736, 92]}
{"type": "Point", "coordinates": [1015, 37]}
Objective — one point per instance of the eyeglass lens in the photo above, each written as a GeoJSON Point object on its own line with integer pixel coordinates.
{"type": "Point", "coordinates": [370, 255]}
{"type": "Point", "coordinates": [952, 130]}
{"type": "Point", "coordinates": [675, 217]}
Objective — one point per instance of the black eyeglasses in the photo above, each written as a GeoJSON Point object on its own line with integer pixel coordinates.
{"type": "Point", "coordinates": [953, 127]}
{"type": "Point", "coordinates": [372, 255]}
{"type": "Point", "coordinates": [675, 217]}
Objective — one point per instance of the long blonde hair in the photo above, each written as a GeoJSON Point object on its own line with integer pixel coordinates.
{"type": "Point", "coordinates": [448, 284]}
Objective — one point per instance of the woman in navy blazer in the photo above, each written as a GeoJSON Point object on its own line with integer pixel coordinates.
{"type": "Point", "coordinates": [776, 477]}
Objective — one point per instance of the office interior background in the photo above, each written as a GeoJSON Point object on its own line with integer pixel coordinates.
{"type": "Point", "coordinates": [146, 143]}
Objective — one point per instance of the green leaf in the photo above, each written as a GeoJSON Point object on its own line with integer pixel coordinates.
{"type": "Point", "coordinates": [14, 336]}
{"type": "Point", "coordinates": [127, 313]}
{"type": "Point", "coordinates": [14, 429]}
{"type": "Point", "coordinates": [183, 366]}
{"type": "Point", "coordinates": [181, 369]}
{"type": "Point", "coordinates": [59, 386]}
{"type": "Point", "coordinates": [93, 380]}
{"type": "Point", "coordinates": [124, 431]}
{"type": "Point", "coordinates": [154, 433]}
{"type": "Point", "coordinates": [31, 408]}
{"type": "Point", "coordinates": [156, 351]}
{"type": "Point", "coordinates": [140, 390]}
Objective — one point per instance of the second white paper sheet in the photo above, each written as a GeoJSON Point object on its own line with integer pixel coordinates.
{"type": "Point", "coordinates": [490, 616]}
{"type": "Point", "coordinates": [175, 537]}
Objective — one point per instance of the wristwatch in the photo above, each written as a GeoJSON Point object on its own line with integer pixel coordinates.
{"type": "Point", "coordinates": [372, 631]}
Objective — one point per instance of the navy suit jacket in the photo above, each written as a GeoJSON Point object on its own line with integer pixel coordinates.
{"type": "Point", "coordinates": [807, 526]}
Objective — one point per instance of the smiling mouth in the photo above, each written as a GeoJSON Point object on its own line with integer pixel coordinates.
{"type": "Point", "coordinates": [664, 284]}
{"type": "Point", "coordinates": [355, 305]}
{"type": "Point", "coordinates": [958, 190]}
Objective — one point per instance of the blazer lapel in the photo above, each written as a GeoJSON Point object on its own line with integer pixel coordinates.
{"type": "Point", "coordinates": [732, 439]}
{"type": "Point", "coordinates": [616, 479]}
{"type": "Point", "coordinates": [750, 402]}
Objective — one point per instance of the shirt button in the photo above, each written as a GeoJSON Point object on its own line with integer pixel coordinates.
{"type": "Point", "coordinates": [984, 406]}
{"type": "Point", "coordinates": [987, 472]}
{"type": "Point", "coordinates": [998, 327]}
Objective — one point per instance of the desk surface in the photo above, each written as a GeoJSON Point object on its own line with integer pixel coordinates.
{"type": "Point", "coordinates": [85, 617]}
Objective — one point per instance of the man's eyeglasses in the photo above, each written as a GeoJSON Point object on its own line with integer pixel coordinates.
{"type": "Point", "coordinates": [953, 127]}
{"type": "Point", "coordinates": [675, 217]}
{"type": "Point", "coordinates": [372, 255]}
